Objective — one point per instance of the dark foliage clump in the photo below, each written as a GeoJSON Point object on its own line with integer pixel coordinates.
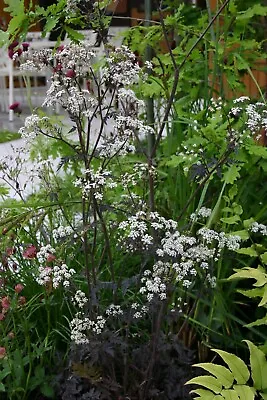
{"type": "Point", "coordinates": [110, 368]}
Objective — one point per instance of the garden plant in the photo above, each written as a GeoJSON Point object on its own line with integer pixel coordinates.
{"type": "Point", "coordinates": [122, 250]}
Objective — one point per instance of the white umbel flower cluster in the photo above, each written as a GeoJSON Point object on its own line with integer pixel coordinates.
{"type": "Point", "coordinates": [62, 232]}
{"type": "Point", "coordinates": [95, 182]}
{"type": "Point", "coordinates": [55, 276]}
{"type": "Point", "coordinates": [255, 227]}
{"type": "Point", "coordinates": [80, 299]}
{"type": "Point", "coordinates": [81, 327]}
{"type": "Point", "coordinates": [179, 256]}
{"type": "Point", "coordinates": [122, 68]}
{"type": "Point", "coordinates": [44, 253]}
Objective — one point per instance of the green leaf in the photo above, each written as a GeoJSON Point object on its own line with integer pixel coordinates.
{"type": "Point", "coordinates": [232, 174]}
{"type": "Point", "coordinates": [252, 293]}
{"type": "Point", "coordinates": [223, 374]}
{"type": "Point", "coordinates": [231, 220]}
{"type": "Point", "coordinates": [47, 391]}
{"type": "Point", "coordinates": [4, 36]}
{"type": "Point", "coordinates": [257, 9]}
{"type": "Point", "coordinates": [263, 258]}
{"type": "Point", "coordinates": [258, 366]}
{"type": "Point", "coordinates": [257, 150]}
{"type": "Point", "coordinates": [236, 365]}
{"type": "Point", "coordinates": [230, 395]}
{"type": "Point", "coordinates": [16, 23]}
{"type": "Point", "coordinates": [50, 24]}
{"type": "Point", "coordinates": [263, 396]}
{"type": "Point", "coordinates": [264, 297]}
{"type": "Point", "coordinates": [208, 382]}
{"type": "Point", "coordinates": [251, 273]}
{"type": "Point", "coordinates": [73, 34]}
{"type": "Point", "coordinates": [248, 251]}
{"type": "Point", "coordinates": [248, 222]}
{"type": "Point", "coordinates": [203, 394]}
{"type": "Point", "coordinates": [258, 322]}
{"type": "Point", "coordinates": [243, 234]}
{"type": "Point", "coordinates": [2, 387]}
{"type": "Point", "coordinates": [245, 392]}
{"type": "Point", "coordinates": [14, 7]}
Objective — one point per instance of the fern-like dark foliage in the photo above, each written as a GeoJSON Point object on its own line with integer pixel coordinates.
{"type": "Point", "coordinates": [110, 368]}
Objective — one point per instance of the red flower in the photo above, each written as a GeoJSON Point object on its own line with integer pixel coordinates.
{"type": "Point", "coordinates": [10, 53]}
{"type": "Point", "coordinates": [30, 252]}
{"type": "Point", "coordinates": [15, 106]}
{"type": "Point", "coordinates": [2, 352]}
{"type": "Point", "coordinates": [70, 73]}
{"type": "Point", "coordinates": [13, 45]}
{"type": "Point", "coordinates": [19, 287]}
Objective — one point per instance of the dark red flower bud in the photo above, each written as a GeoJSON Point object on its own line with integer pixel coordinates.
{"type": "Point", "coordinates": [25, 46]}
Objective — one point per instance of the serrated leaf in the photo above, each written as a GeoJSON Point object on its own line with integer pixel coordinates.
{"type": "Point", "coordinates": [252, 293]}
{"type": "Point", "coordinates": [208, 382]}
{"type": "Point", "coordinates": [223, 374]}
{"type": "Point", "coordinates": [50, 24]}
{"type": "Point", "coordinates": [73, 34]}
{"type": "Point", "coordinates": [251, 273]}
{"type": "Point", "coordinates": [258, 322]}
{"type": "Point", "coordinates": [232, 174]}
{"type": "Point", "coordinates": [245, 392]}
{"type": "Point", "coordinates": [15, 23]}
{"type": "Point", "coordinates": [264, 297]}
{"type": "Point", "coordinates": [248, 251]}
{"type": "Point", "coordinates": [203, 394]}
{"type": "Point", "coordinates": [263, 258]}
{"type": "Point", "coordinates": [14, 7]}
{"type": "Point", "coordinates": [258, 365]}
{"type": "Point", "coordinates": [236, 365]}
{"type": "Point", "coordinates": [257, 9]}
{"type": "Point", "coordinates": [231, 220]}
{"type": "Point", "coordinates": [229, 394]}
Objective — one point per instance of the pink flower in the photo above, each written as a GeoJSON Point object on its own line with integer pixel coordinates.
{"type": "Point", "coordinates": [2, 352]}
{"type": "Point", "coordinates": [19, 287]}
{"type": "Point", "coordinates": [70, 73]}
{"type": "Point", "coordinates": [2, 316]}
{"type": "Point", "coordinates": [30, 252]}
{"type": "Point", "coordinates": [50, 257]}
{"type": "Point", "coordinates": [5, 301]}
